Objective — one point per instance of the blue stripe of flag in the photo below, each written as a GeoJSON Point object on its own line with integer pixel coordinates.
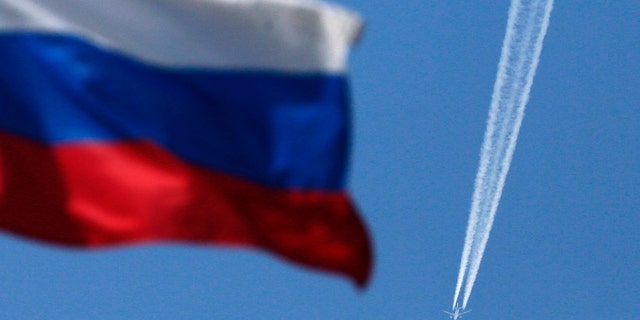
{"type": "Point", "coordinates": [283, 130]}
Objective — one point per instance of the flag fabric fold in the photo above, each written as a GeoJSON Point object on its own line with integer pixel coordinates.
{"type": "Point", "coordinates": [208, 121]}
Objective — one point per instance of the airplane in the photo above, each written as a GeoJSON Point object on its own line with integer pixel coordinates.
{"type": "Point", "coordinates": [457, 312]}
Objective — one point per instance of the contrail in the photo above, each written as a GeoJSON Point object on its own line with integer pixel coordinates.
{"type": "Point", "coordinates": [526, 27]}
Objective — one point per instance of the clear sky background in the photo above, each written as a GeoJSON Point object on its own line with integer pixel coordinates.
{"type": "Point", "coordinates": [565, 243]}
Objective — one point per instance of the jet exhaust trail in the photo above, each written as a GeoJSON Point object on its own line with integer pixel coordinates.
{"type": "Point", "coordinates": [526, 27]}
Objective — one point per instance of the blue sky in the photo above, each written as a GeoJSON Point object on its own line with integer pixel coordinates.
{"type": "Point", "coordinates": [565, 243]}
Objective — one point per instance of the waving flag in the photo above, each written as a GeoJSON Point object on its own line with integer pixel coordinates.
{"type": "Point", "coordinates": [208, 121]}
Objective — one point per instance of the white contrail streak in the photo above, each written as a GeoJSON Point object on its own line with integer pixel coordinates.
{"type": "Point", "coordinates": [526, 27]}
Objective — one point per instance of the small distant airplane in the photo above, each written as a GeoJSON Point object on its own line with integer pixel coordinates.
{"type": "Point", "coordinates": [457, 312]}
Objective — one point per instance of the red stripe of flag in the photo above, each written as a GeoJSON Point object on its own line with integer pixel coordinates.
{"type": "Point", "coordinates": [97, 194]}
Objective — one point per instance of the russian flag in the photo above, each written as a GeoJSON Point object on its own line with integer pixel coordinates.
{"type": "Point", "coordinates": [203, 121]}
